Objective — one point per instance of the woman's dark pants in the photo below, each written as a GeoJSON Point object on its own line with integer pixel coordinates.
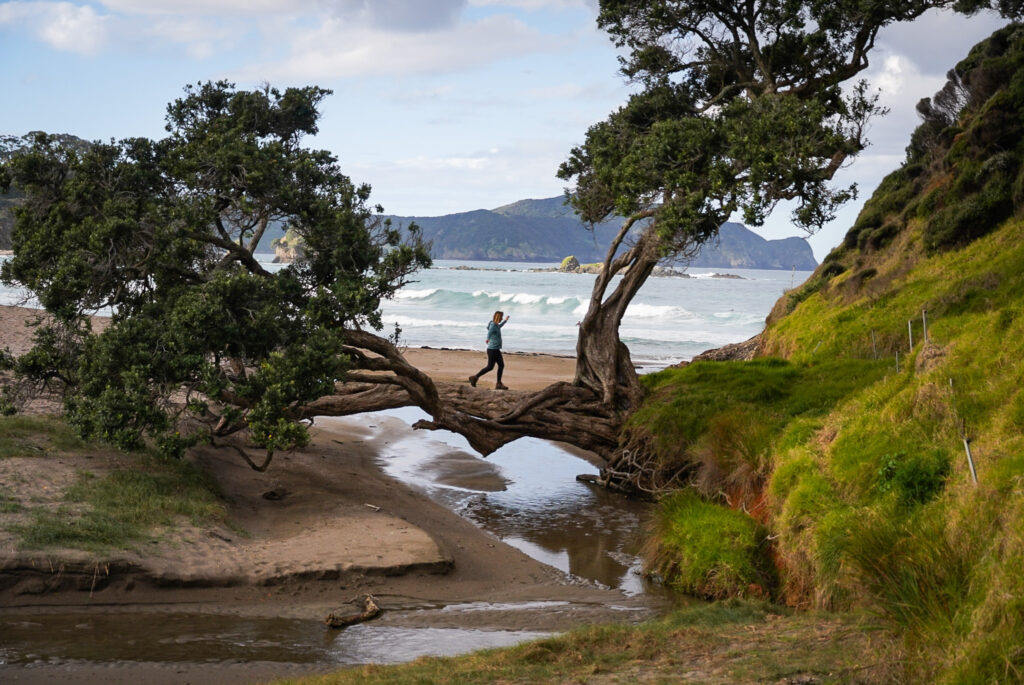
{"type": "Point", "coordinates": [493, 359]}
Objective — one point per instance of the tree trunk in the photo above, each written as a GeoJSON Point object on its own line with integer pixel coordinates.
{"type": "Point", "coordinates": [587, 413]}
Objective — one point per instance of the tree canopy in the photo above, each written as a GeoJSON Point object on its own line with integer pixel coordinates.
{"type": "Point", "coordinates": [743, 105]}
{"type": "Point", "coordinates": [740, 106]}
{"type": "Point", "coordinates": [161, 235]}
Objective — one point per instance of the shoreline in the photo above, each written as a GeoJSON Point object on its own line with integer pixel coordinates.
{"type": "Point", "coordinates": [297, 559]}
{"type": "Point", "coordinates": [523, 370]}
{"type": "Point", "coordinates": [336, 526]}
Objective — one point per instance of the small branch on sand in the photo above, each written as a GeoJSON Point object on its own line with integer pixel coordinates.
{"type": "Point", "coordinates": [370, 611]}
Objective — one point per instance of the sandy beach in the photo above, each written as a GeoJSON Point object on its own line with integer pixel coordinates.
{"type": "Point", "coordinates": [321, 526]}
{"type": "Point", "coordinates": [523, 370]}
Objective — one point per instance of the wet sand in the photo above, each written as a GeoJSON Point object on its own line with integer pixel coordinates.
{"type": "Point", "coordinates": [321, 526]}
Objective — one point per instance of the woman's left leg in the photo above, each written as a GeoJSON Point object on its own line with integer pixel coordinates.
{"type": "Point", "coordinates": [500, 361]}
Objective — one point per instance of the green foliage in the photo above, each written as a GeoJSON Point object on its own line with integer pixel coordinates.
{"type": "Point", "coordinates": [163, 233]}
{"type": "Point", "coordinates": [812, 285]}
{"type": "Point", "coordinates": [701, 140]}
{"type": "Point", "coordinates": [883, 215]}
{"type": "Point", "coordinates": [871, 500]}
{"type": "Point", "coordinates": [707, 550]}
{"type": "Point", "coordinates": [987, 157]}
{"type": "Point", "coordinates": [916, 478]}
{"type": "Point", "coordinates": [830, 270]}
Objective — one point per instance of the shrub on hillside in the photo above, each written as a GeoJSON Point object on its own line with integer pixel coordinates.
{"type": "Point", "coordinates": [709, 551]}
{"type": "Point", "coordinates": [914, 478]}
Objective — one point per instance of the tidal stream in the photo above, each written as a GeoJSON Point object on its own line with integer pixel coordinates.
{"type": "Point", "coordinates": [525, 494]}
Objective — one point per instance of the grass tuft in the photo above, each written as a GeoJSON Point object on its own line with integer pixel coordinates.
{"type": "Point", "coordinates": [706, 550]}
{"type": "Point", "coordinates": [33, 436]}
{"type": "Point", "coordinates": [124, 506]}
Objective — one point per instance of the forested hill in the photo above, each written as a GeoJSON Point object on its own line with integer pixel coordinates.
{"type": "Point", "coordinates": [871, 455]}
{"type": "Point", "coordinates": [547, 230]}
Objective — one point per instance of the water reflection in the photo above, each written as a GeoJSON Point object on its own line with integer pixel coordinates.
{"type": "Point", "coordinates": [527, 495]}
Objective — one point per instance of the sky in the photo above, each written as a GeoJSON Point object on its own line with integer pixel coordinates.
{"type": "Point", "coordinates": [442, 106]}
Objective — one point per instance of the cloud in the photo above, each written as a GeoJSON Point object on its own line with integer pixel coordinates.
{"type": "Point", "coordinates": [423, 95]}
{"type": "Point", "coordinates": [213, 7]}
{"type": "Point", "coordinates": [937, 40]}
{"type": "Point", "coordinates": [410, 15]}
{"type": "Point", "coordinates": [443, 163]}
{"type": "Point", "coordinates": [395, 15]}
{"type": "Point", "coordinates": [337, 49]}
{"type": "Point", "coordinates": [301, 39]}
{"type": "Point", "coordinates": [62, 25]}
{"type": "Point", "coordinates": [562, 91]}
{"type": "Point", "coordinates": [534, 4]}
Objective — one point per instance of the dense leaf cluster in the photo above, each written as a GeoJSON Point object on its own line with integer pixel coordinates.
{"type": "Point", "coordinates": [160, 235]}
{"type": "Point", "coordinates": [741, 106]}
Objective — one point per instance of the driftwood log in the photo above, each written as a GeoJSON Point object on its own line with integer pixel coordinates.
{"type": "Point", "coordinates": [370, 611]}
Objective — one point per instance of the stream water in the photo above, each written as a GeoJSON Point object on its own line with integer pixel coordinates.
{"type": "Point", "coordinates": [525, 494]}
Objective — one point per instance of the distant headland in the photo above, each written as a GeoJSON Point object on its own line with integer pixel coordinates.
{"type": "Point", "coordinates": [548, 231]}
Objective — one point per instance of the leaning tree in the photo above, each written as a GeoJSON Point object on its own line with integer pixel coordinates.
{"type": "Point", "coordinates": [740, 106]}
{"type": "Point", "coordinates": [160, 236]}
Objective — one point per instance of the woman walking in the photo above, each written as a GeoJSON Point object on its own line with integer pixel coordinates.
{"type": "Point", "coordinates": [493, 351]}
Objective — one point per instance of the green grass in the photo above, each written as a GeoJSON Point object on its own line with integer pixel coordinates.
{"type": "Point", "coordinates": [114, 511]}
{"type": "Point", "coordinates": [8, 503]}
{"type": "Point", "coordinates": [31, 436]}
{"type": "Point", "coordinates": [709, 551]}
{"type": "Point", "coordinates": [878, 507]}
{"type": "Point", "coordinates": [111, 511]}
{"type": "Point", "coordinates": [730, 641]}
{"type": "Point", "coordinates": [684, 402]}
{"type": "Point", "coordinates": [862, 470]}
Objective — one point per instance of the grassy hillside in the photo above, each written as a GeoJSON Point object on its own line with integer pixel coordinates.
{"type": "Point", "coordinates": [836, 465]}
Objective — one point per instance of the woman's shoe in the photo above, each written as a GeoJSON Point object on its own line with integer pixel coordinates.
{"type": "Point", "coordinates": [500, 386]}
{"type": "Point", "coordinates": [472, 381]}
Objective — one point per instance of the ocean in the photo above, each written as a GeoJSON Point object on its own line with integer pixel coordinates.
{"type": "Point", "coordinates": [670, 319]}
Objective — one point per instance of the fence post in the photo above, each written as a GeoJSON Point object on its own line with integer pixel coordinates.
{"type": "Point", "coordinates": [910, 334]}
{"type": "Point", "coordinates": [970, 458]}
{"type": "Point", "coordinates": [963, 436]}
{"type": "Point", "coordinates": [874, 347]}
{"type": "Point", "coordinates": [924, 324]}
{"type": "Point", "coordinates": [897, 361]}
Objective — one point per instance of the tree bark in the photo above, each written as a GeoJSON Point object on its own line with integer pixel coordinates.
{"type": "Point", "coordinates": [587, 413]}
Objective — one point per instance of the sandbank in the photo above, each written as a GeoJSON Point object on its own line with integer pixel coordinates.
{"type": "Point", "coordinates": [322, 525]}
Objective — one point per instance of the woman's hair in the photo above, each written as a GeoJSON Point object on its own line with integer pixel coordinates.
{"type": "Point", "coordinates": [497, 316]}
